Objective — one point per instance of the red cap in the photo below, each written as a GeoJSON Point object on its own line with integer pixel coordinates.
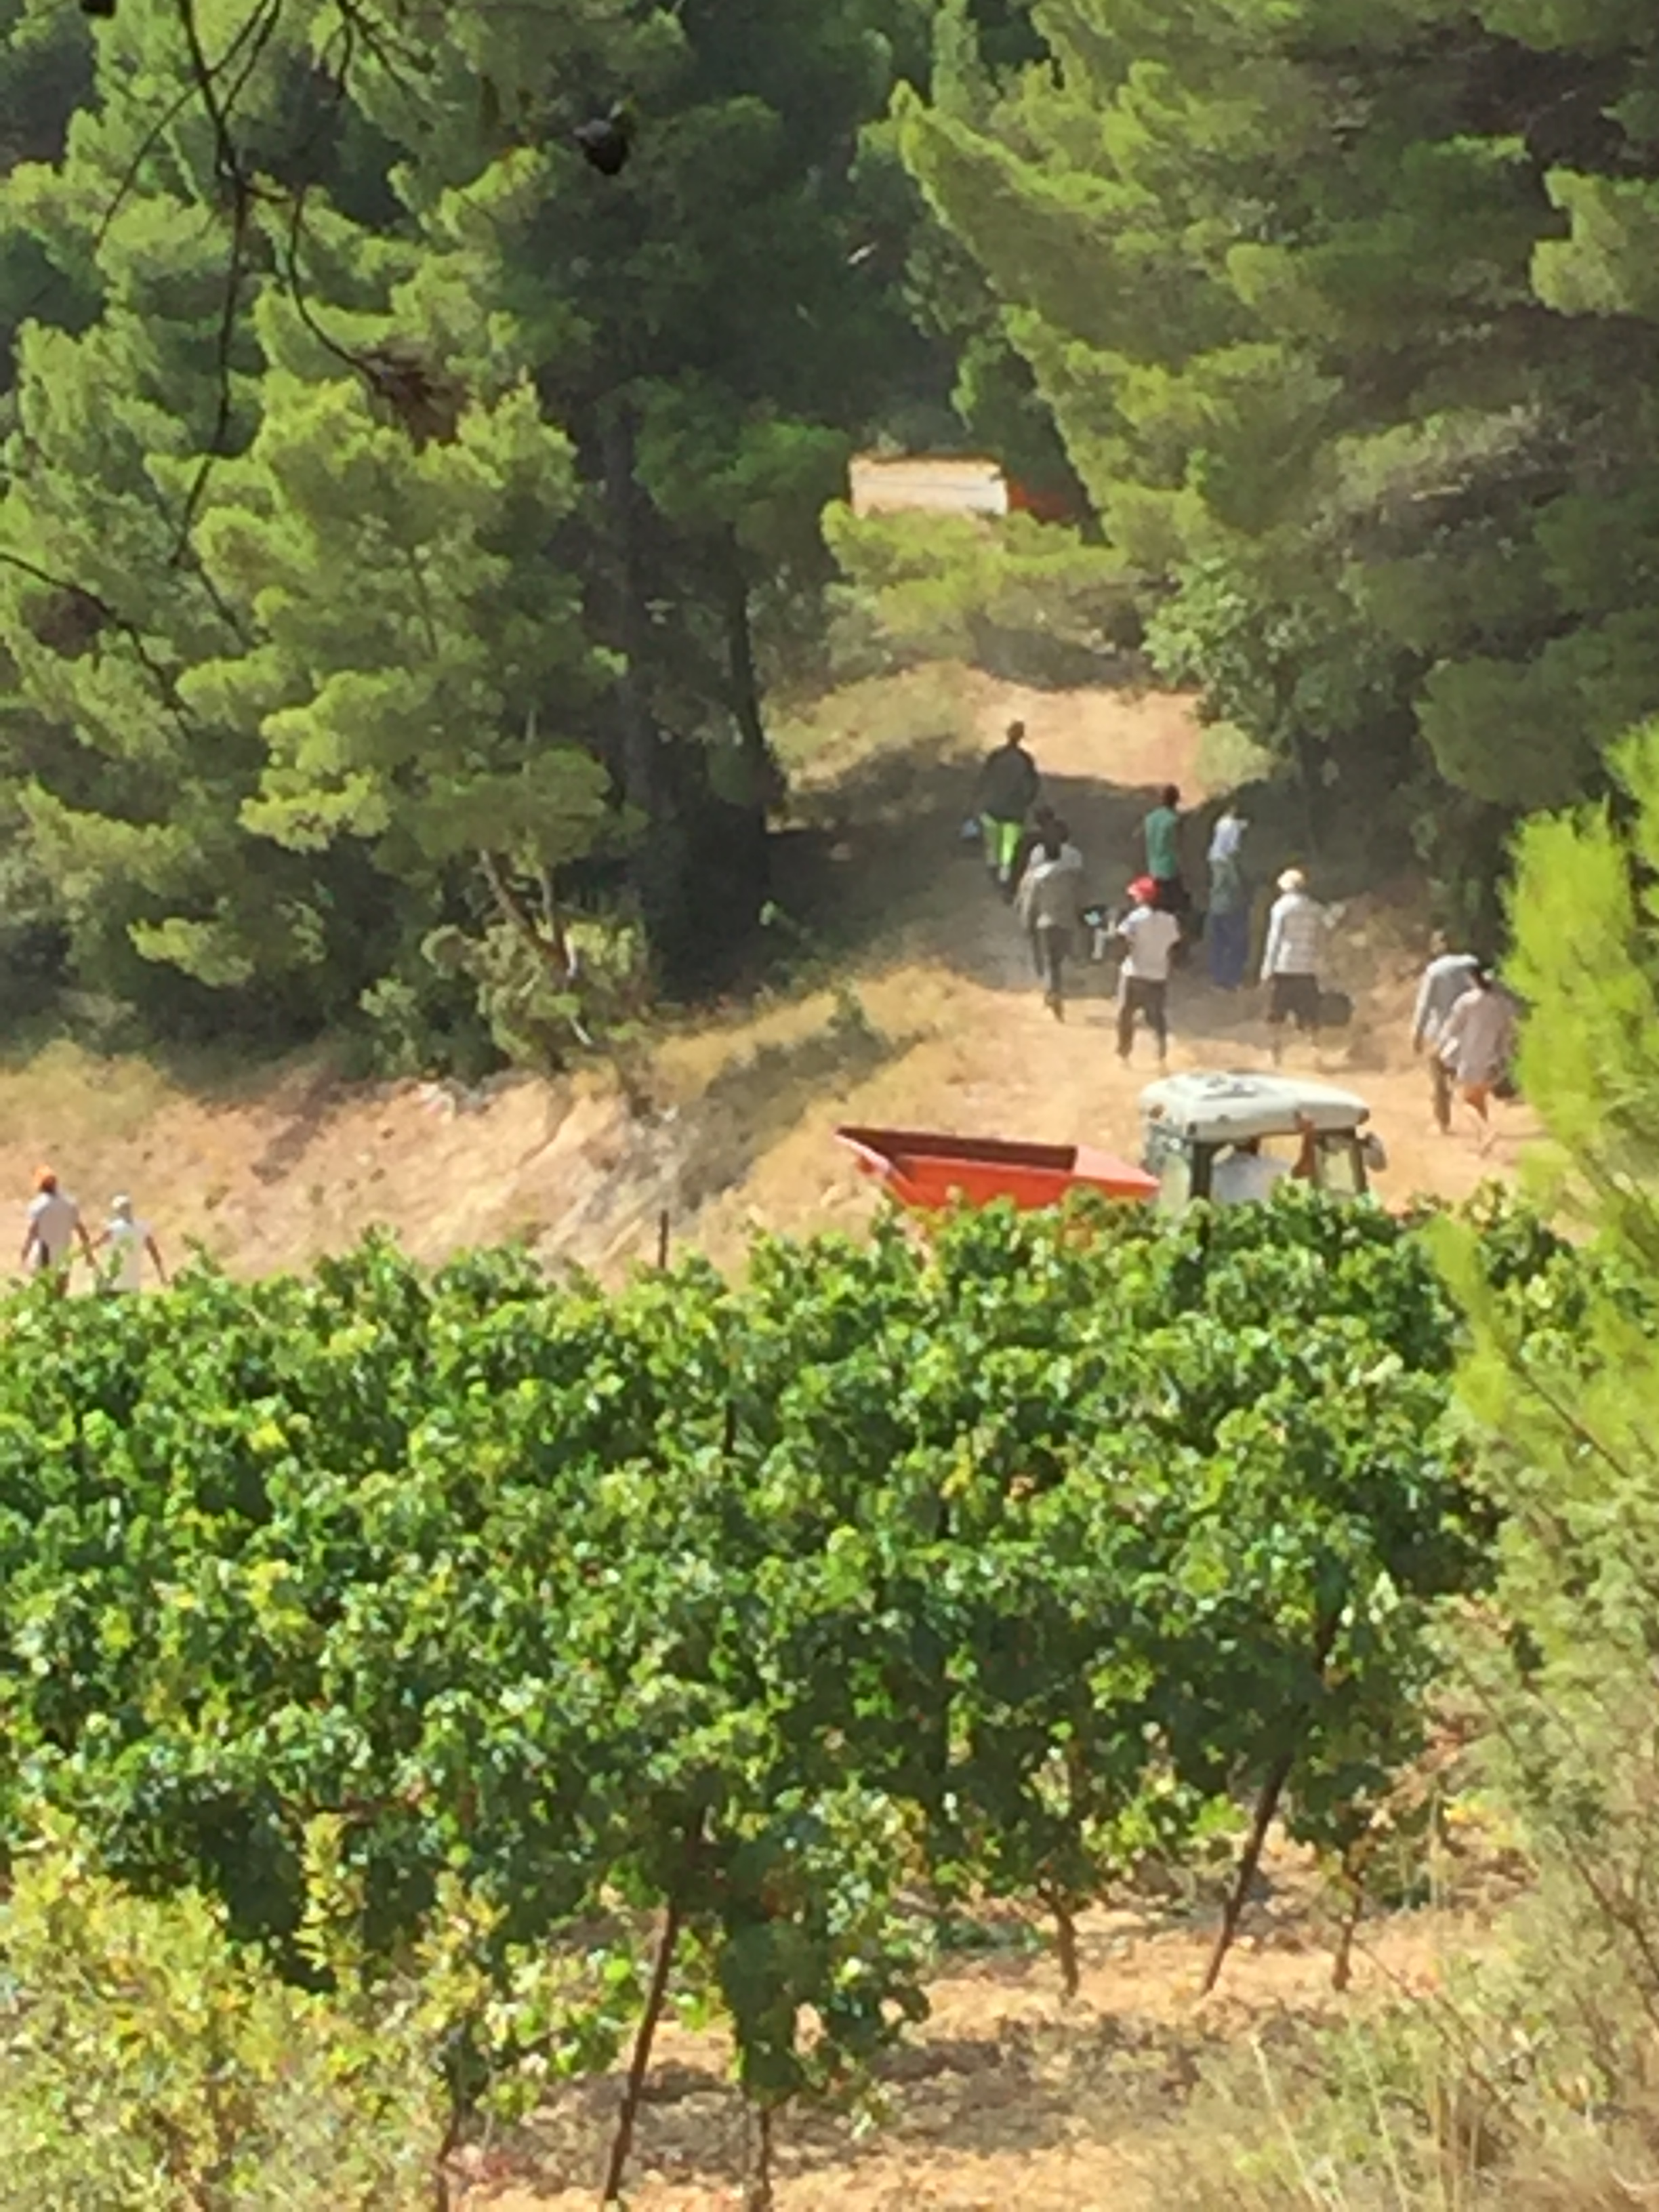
{"type": "Point", "coordinates": [1143, 890]}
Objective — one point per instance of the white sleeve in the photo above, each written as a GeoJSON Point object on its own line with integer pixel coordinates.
{"type": "Point", "coordinates": [1270, 949]}
{"type": "Point", "coordinates": [1420, 1013]}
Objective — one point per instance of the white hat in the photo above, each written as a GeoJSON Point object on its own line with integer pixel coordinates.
{"type": "Point", "coordinates": [1293, 880]}
{"type": "Point", "coordinates": [121, 1207]}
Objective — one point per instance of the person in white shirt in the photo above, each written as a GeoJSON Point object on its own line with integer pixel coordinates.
{"type": "Point", "coordinates": [1475, 1045]}
{"type": "Point", "coordinates": [127, 1241]}
{"type": "Point", "coordinates": [1297, 929]}
{"type": "Point", "coordinates": [1051, 909]}
{"type": "Point", "coordinates": [1447, 977]}
{"type": "Point", "coordinates": [1247, 1173]}
{"type": "Point", "coordinates": [54, 1224]}
{"type": "Point", "coordinates": [1151, 934]}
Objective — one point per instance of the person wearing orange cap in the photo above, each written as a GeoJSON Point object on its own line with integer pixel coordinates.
{"type": "Point", "coordinates": [54, 1224]}
{"type": "Point", "coordinates": [1150, 934]}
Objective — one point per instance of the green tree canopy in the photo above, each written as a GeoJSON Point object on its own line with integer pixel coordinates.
{"type": "Point", "coordinates": [1346, 317]}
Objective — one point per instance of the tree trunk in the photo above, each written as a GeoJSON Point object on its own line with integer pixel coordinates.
{"type": "Point", "coordinates": [763, 778]}
{"type": "Point", "coordinates": [1266, 1805]}
{"type": "Point", "coordinates": [757, 2196]}
{"type": "Point", "coordinates": [513, 912]}
{"type": "Point", "coordinates": [1342, 1963]}
{"type": "Point", "coordinates": [622, 2142]}
{"type": "Point", "coordinates": [1071, 1972]}
{"type": "Point", "coordinates": [659, 868]}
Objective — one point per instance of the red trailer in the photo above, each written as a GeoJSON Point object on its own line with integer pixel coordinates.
{"type": "Point", "coordinates": [926, 1171]}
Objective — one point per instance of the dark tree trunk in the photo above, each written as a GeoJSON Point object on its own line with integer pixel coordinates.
{"type": "Point", "coordinates": [659, 868]}
{"type": "Point", "coordinates": [763, 769]}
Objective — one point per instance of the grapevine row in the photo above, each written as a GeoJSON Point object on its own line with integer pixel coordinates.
{"type": "Point", "coordinates": [699, 1630]}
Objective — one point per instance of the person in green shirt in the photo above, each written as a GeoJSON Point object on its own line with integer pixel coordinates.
{"type": "Point", "coordinates": [1162, 832]}
{"type": "Point", "coordinates": [1008, 784]}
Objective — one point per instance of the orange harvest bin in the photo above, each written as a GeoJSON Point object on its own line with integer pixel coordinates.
{"type": "Point", "coordinates": [926, 1171]}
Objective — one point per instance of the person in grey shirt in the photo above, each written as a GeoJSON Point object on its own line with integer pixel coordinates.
{"type": "Point", "coordinates": [1447, 977]}
{"type": "Point", "coordinates": [1050, 908]}
{"type": "Point", "coordinates": [1476, 1044]}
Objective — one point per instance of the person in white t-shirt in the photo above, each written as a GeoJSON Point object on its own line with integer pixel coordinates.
{"type": "Point", "coordinates": [1151, 934]}
{"type": "Point", "coordinates": [1246, 1173]}
{"type": "Point", "coordinates": [126, 1240]}
{"type": "Point", "coordinates": [54, 1224]}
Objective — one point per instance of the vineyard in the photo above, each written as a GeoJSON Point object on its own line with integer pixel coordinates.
{"type": "Point", "coordinates": [707, 1644]}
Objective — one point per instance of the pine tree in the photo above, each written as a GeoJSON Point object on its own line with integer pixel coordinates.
{"type": "Point", "coordinates": [593, 417]}
{"type": "Point", "coordinates": [1346, 318]}
{"type": "Point", "coordinates": [1560, 1669]}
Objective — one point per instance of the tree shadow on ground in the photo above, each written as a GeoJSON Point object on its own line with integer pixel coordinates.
{"type": "Point", "coordinates": [1014, 2084]}
{"type": "Point", "coordinates": [880, 860]}
{"type": "Point", "coordinates": [760, 1097]}
{"type": "Point", "coordinates": [1022, 2087]}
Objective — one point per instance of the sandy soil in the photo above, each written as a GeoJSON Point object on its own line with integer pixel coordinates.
{"type": "Point", "coordinates": [268, 1170]}
{"type": "Point", "coordinates": [1011, 2096]}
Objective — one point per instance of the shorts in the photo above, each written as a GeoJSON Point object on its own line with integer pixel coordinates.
{"type": "Point", "coordinates": [1293, 999]}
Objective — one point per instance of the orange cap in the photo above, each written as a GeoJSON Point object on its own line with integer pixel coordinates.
{"type": "Point", "coordinates": [45, 1179]}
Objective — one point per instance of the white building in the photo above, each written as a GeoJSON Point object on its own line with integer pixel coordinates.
{"type": "Point", "coordinates": [917, 485]}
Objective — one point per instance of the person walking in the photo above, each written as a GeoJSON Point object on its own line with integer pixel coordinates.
{"type": "Point", "coordinates": [1008, 784]}
{"type": "Point", "coordinates": [1448, 975]}
{"type": "Point", "coordinates": [1228, 926]}
{"type": "Point", "coordinates": [1475, 1044]}
{"type": "Point", "coordinates": [127, 1241]}
{"type": "Point", "coordinates": [1150, 934]}
{"type": "Point", "coordinates": [1050, 907]}
{"type": "Point", "coordinates": [1161, 832]}
{"type": "Point", "coordinates": [54, 1224]}
{"type": "Point", "coordinates": [1044, 820]}
{"type": "Point", "coordinates": [1297, 929]}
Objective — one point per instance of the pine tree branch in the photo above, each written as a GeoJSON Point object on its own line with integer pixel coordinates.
{"type": "Point", "coordinates": [135, 637]}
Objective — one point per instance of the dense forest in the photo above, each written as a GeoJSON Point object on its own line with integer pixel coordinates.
{"type": "Point", "coordinates": [407, 518]}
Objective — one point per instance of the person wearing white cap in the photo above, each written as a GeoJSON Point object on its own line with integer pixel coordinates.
{"type": "Point", "coordinates": [127, 1240]}
{"type": "Point", "coordinates": [1296, 928]}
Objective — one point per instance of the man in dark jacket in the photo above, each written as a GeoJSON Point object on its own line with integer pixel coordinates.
{"type": "Point", "coordinates": [1007, 791]}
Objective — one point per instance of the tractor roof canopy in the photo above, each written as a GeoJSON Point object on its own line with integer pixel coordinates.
{"type": "Point", "coordinates": [1220, 1108]}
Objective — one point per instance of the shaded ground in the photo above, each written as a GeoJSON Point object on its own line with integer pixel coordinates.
{"type": "Point", "coordinates": [1009, 2097]}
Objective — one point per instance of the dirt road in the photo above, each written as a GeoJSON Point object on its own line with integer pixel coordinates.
{"type": "Point", "coordinates": [938, 1023]}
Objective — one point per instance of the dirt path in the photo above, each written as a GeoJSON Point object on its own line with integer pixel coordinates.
{"type": "Point", "coordinates": [965, 1044]}
{"type": "Point", "coordinates": [272, 1168]}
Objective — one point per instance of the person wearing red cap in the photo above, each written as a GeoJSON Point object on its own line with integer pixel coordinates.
{"type": "Point", "coordinates": [1150, 934]}
{"type": "Point", "coordinates": [54, 1224]}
